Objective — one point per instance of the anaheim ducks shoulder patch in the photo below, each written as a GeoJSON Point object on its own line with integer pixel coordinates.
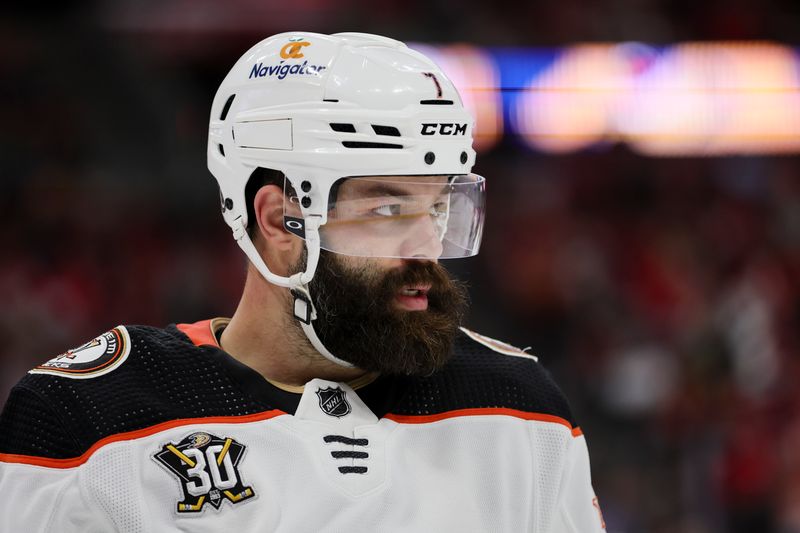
{"type": "Point", "coordinates": [99, 356]}
{"type": "Point", "coordinates": [208, 469]}
{"type": "Point", "coordinates": [498, 346]}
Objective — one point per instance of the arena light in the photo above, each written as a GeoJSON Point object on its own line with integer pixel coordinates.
{"type": "Point", "coordinates": [670, 109]}
{"type": "Point", "coordinates": [687, 99]}
{"type": "Point", "coordinates": [715, 99]}
{"type": "Point", "coordinates": [570, 105]}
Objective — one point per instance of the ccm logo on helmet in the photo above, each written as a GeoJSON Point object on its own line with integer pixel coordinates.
{"type": "Point", "coordinates": [445, 128]}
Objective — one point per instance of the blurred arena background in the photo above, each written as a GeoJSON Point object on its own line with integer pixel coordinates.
{"type": "Point", "coordinates": [643, 228]}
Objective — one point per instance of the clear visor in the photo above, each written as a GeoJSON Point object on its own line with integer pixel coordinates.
{"type": "Point", "coordinates": [420, 217]}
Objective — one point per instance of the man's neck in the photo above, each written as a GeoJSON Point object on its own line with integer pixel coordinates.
{"type": "Point", "coordinates": [262, 336]}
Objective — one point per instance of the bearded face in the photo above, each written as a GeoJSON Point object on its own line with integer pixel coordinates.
{"type": "Point", "coordinates": [397, 321]}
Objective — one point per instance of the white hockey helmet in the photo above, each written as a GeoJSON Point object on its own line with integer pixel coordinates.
{"type": "Point", "coordinates": [323, 109]}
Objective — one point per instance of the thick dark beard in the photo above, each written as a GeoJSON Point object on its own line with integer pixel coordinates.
{"type": "Point", "coordinates": [359, 321]}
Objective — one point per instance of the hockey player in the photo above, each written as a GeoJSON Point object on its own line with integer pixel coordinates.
{"type": "Point", "coordinates": [342, 395]}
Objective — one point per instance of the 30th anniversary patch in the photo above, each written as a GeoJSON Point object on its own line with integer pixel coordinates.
{"type": "Point", "coordinates": [99, 356]}
{"type": "Point", "coordinates": [208, 469]}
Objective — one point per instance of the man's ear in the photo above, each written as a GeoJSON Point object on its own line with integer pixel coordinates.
{"type": "Point", "coordinates": [268, 211]}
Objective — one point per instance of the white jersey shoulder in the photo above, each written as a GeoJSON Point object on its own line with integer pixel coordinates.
{"type": "Point", "coordinates": [498, 346]}
{"type": "Point", "coordinates": [97, 357]}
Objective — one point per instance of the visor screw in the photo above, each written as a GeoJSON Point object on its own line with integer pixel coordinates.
{"type": "Point", "coordinates": [464, 158]}
{"type": "Point", "coordinates": [306, 201]}
{"type": "Point", "coordinates": [430, 157]}
{"type": "Point", "coordinates": [306, 186]}
{"type": "Point", "coordinates": [228, 204]}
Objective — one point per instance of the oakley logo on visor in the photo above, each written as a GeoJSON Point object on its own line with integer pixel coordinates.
{"type": "Point", "coordinates": [295, 225]}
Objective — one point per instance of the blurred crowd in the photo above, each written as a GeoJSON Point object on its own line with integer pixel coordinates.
{"type": "Point", "coordinates": [663, 294]}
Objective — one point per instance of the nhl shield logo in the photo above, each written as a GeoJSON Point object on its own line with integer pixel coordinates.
{"type": "Point", "coordinates": [333, 401]}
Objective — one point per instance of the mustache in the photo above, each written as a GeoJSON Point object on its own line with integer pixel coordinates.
{"type": "Point", "coordinates": [417, 273]}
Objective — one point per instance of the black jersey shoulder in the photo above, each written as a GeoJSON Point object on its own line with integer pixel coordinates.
{"type": "Point", "coordinates": [164, 377]}
{"type": "Point", "coordinates": [482, 377]}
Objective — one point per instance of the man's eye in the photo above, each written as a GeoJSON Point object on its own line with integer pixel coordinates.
{"type": "Point", "coordinates": [388, 210]}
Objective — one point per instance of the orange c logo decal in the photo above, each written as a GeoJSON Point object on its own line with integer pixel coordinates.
{"type": "Point", "coordinates": [293, 50]}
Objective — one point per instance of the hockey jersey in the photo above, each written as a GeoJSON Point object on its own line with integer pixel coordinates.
{"type": "Point", "coordinates": [158, 430]}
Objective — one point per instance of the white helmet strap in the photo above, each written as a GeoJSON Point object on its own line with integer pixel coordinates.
{"type": "Point", "coordinates": [302, 306]}
{"type": "Point", "coordinates": [305, 313]}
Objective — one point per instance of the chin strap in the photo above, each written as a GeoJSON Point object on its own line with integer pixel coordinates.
{"type": "Point", "coordinates": [305, 313]}
{"type": "Point", "coordinates": [302, 306]}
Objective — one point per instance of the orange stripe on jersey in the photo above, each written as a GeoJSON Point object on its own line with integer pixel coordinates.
{"type": "Point", "coordinates": [484, 411]}
{"type": "Point", "coordinates": [200, 333]}
{"type": "Point", "coordinates": [132, 435]}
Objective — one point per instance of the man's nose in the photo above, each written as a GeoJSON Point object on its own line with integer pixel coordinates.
{"type": "Point", "coordinates": [422, 239]}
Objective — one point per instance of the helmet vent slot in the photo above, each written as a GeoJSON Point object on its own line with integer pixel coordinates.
{"type": "Point", "coordinates": [386, 130]}
{"type": "Point", "coordinates": [342, 127]}
{"type": "Point", "coordinates": [358, 144]}
{"type": "Point", "coordinates": [227, 107]}
{"type": "Point", "coordinates": [221, 150]}
{"type": "Point", "coordinates": [436, 102]}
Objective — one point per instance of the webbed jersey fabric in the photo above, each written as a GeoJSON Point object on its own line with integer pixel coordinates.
{"type": "Point", "coordinates": [159, 430]}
